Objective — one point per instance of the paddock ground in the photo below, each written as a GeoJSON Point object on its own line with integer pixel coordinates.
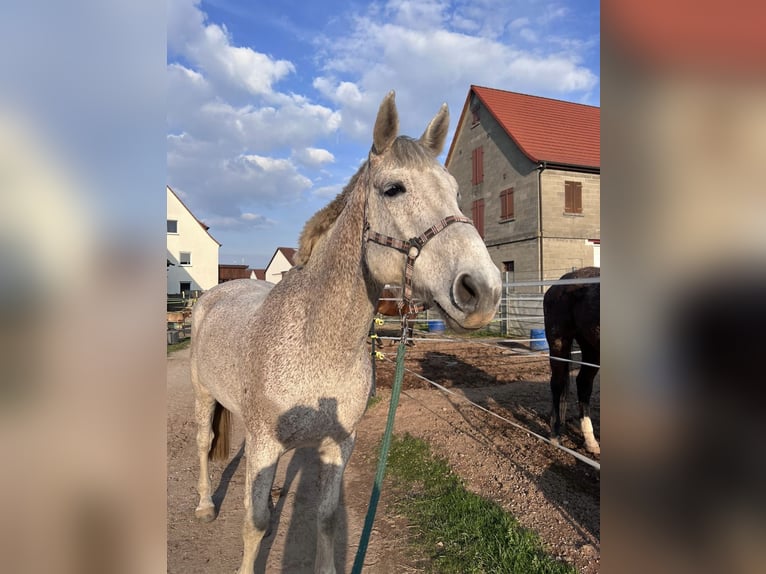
{"type": "Point", "coordinates": [547, 490]}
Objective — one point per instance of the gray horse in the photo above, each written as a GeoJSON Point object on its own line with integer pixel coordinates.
{"type": "Point", "coordinates": [291, 359]}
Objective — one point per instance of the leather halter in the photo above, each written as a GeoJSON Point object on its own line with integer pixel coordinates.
{"type": "Point", "coordinates": [412, 249]}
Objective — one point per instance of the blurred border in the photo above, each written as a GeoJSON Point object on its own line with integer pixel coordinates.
{"type": "Point", "coordinates": [684, 274]}
{"type": "Point", "coordinates": [82, 393]}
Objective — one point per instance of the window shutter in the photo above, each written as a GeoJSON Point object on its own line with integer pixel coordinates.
{"type": "Point", "coordinates": [506, 199]}
{"type": "Point", "coordinates": [577, 190]}
{"type": "Point", "coordinates": [477, 213]}
{"type": "Point", "coordinates": [573, 197]}
{"type": "Point", "coordinates": [477, 159]}
{"type": "Point", "coordinates": [502, 204]}
{"type": "Point", "coordinates": [481, 164]}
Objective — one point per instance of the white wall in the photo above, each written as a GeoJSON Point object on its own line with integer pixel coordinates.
{"type": "Point", "coordinates": [277, 267]}
{"type": "Point", "coordinates": [192, 238]}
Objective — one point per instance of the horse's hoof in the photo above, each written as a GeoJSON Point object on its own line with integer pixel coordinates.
{"type": "Point", "coordinates": [593, 448]}
{"type": "Point", "coordinates": [205, 514]}
{"type": "Point", "coordinates": [555, 441]}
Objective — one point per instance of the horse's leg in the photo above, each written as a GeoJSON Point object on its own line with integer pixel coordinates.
{"type": "Point", "coordinates": [559, 347]}
{"type": "Point", "coordinates": [262, 458]}
{"type": "Point", "coordinates": [333, 457]}
{"type": "Point", "coordinates": [584, 390]}
{"type": "Point", "coordinates": [204, 407]}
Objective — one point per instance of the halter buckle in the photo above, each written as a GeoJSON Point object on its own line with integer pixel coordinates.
{"type": "Point", "coordinates": [415, 246]}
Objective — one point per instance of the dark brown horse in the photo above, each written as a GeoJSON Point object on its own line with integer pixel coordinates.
{"type": "Point", "coordinates": [573, 312]}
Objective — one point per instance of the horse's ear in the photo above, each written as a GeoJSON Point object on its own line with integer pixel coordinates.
{"type": "Point", "coordinates": [436, 131]}
{"type": "Point", "coordinates": [386, 125]}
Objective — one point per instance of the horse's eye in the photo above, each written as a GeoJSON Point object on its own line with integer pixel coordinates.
{"type": "Point", "coordinates": [393, 189]}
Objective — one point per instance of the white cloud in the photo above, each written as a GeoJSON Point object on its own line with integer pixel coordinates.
{"type": "Point", "coordinates": [228, 125]}
{"type": "Point", "coordinates": [210, 47]}
{"type": "Point", "coordinates": [553, 12]}
{"type": "Point", "coordinates": [518, 23]}
{"type": "Point", "coordinates": [245, 222]}
{"type": "Point", "coordinates": [418, 14]}
{"type": "Point", "coordinates": [427, 65]}
{"type": "Point", "coordinates": [528, 35]}
{"type": "Point", "coordinates": [313, 157]}
{"type": "Point", "coordinates": [239, 145]}
{"type": "Point", "coordinates": [328, 191]}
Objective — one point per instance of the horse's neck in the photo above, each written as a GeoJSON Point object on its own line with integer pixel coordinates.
{"type": "Point", "coordinates": [345, 295]}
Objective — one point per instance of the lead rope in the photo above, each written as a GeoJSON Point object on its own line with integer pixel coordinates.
{"type": "Point", "coordinates": [382, 461]}
{"type": "Point", "coordinates": [412, 249]}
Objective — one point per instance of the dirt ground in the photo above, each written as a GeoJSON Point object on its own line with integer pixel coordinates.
{"type": "Point", "coordinates": [546, 489]}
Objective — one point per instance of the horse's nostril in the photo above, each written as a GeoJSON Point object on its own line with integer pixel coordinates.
{"type": "Point", "coordinates": [466, 293]}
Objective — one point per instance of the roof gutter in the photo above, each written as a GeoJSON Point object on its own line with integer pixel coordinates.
{"type": "Point", "coordinates": [540, 168]}
{"type": "Point", "coordinates": [571, 167]}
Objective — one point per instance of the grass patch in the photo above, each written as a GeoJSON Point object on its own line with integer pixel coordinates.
{"type": "Point", "coordinates": [178, 346]}
{"type": "Point", "coordinates": [372, 401]}
{"type": "Point", "coordinates": [489, 333]}
{"type": "Point", "coordinates": [455, 530]}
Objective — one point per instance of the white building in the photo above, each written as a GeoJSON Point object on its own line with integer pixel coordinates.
{"type": "Point", "coordinates": [192, 253]}
{"type": "Point", "coordinates": [280, 263]}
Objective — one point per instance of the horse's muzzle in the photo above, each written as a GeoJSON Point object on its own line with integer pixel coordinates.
{"type": "Point", "coordinates": [477, 297]}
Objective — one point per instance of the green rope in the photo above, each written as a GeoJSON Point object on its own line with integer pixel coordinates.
{"type": "Point", "coordinates": [382, 460]}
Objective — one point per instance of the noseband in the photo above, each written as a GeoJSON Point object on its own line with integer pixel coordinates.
{"type": "Point", "coordinates": [412, 249]}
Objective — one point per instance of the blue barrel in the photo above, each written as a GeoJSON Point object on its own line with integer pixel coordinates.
{"type": "Point", "coordinates": [541, 344]}
{"type": "Point", "coordinates": [436, 326]}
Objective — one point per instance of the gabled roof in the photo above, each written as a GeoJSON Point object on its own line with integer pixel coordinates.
{"type": "Point", "coordinates": [259, 273]}
{"type": "Point", "coordinates": [205, 227]}
{"type": "Point", "coordinates": [288, 252]}
{"type": "Point", "coordinates": [545, 130]}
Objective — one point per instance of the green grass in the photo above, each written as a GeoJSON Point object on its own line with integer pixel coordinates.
{"type": "Point", "coordinates": [178, 346]}
{"type": "Point", "coordinates": [457, 531]}
{"type": "Point", "coordinates": [372, 401]}
{"type": "Point", "coordinates": [489, 332]}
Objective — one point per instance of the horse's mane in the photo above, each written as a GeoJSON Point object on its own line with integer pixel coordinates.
{"type": "Point", "coordinates": [321, 222]}
{"type": "Point", "coordinates": [405, 150]}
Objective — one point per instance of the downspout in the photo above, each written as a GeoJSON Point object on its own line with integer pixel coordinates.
{"type": "Point", "coordinates": [540, 168]}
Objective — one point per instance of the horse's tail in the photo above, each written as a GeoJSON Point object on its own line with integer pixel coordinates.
{"type": "Point", "coordinates": [219, 449]}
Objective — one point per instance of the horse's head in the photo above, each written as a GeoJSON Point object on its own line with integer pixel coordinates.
{"type": "Point", "coordinates": [408, 192]}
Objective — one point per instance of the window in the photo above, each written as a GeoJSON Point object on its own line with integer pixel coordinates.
{"type": "Point", "coordinates": [474, 115]}
{"type": "Point", "coordinates": [477, 157]}
{"type": "Point", "coordinates": [572, 197]}
{"type": "Point", "coordinates": [185, 286]}
{"type": "Point", "coordinates": [506, 204]}
{"type": "Point", "coordinates": [509, 269]}
{"type": "Point", "coordinates": [477, 214]}
{"type": "Point", "coordinates": [172, 226]}
{"type": "Point", "coordinates": [184, 258]}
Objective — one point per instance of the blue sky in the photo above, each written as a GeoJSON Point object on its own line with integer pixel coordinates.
{"type": "Point", "coordinates": [271, 104]}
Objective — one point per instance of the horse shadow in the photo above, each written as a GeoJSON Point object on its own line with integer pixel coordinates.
{"type": "Point", "coordinates": [301, 485]}
{"type": "Point", "coordinates": [226, 476]}
{"type": "Point", "coordinates": [559, 481]}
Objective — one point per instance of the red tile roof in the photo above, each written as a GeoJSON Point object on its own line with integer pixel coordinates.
{"type": "Point", "coordinates": [547, 130]}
